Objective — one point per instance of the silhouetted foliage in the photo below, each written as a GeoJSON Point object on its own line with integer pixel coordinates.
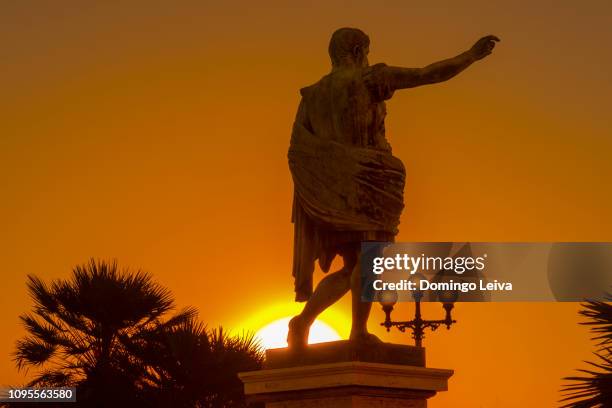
{"type": "Point", "coordinates": [595, 388]}
{"type": "Point", "coordinates": [104, 331]}
{"type": "Point", "coordinates": [81, 329]}
{"type": "Point", "coordinates": [189, 366]}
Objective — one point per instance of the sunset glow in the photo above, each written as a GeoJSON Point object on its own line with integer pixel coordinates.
{"type": "Point", "coordinates": [157, 134]}
{"type": "Point", "coordinates": [274, 335]}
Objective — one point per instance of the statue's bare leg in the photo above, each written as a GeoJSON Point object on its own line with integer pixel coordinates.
{"type": "Point", "coordinates": [361, 310]}
{"type": "Point", "coordinates": [330, 290]}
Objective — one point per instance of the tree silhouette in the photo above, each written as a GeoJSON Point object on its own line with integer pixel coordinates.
{"type": "Point", "coordinates": [104, 331]}
{"type": "Point", "coordinates": [594, 389]}
{"type": "Point", "coordinates": [81, 329]}
{"type": "Point", "coordinates": [189, 366]}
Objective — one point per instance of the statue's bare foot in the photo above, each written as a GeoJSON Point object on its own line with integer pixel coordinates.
{"type": "Point", "coordinates": [365, 337]}
{"type": "Point", "coordinates": [298, 333]}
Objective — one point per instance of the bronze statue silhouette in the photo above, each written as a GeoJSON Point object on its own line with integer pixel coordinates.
{"type": "Point", "coordinates": [348, 186]}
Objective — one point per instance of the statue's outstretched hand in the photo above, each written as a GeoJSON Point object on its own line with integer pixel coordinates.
{"type": "Point", "coordinates": [483, 47]}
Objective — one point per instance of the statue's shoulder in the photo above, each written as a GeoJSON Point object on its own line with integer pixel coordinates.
{"type": "Point", "coordinates": [378, 80]}
{"type": "Point", "coordinates": [335, 79]}
{"type": "Point", "coordinates": [310, 89]}
{"type": "Point", "coordinates": [307, 90]}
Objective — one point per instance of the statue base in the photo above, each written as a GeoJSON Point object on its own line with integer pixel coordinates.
{"type": "Point", "coordinates": [311, 377]}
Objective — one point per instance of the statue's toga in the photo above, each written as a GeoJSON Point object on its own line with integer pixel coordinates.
{"type": "Point", "coordinates": [348, 185]}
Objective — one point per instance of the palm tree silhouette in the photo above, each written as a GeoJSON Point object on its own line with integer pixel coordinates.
{"type": "Point", "coordinates": [190, 366]}
{"type": "Point", "coordinates": [104, 331]}
{"type": "Point", "coordinates": [594, 389]}
{"type": "Point", "coordinates": [81, 331]}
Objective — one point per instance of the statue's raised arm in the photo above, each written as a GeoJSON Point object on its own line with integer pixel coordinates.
{"type": "Point", "coordinates": [401, 78]}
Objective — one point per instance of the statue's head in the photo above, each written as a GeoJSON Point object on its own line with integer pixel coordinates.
{"type": "Point", "coordinates": [349, 47]}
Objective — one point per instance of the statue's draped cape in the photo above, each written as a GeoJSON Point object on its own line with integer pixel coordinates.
{"type": "Point", "coordinates": [348, 187]}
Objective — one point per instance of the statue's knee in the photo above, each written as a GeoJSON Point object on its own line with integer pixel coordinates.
{"type": "Point", "coordinates": [346, 271]}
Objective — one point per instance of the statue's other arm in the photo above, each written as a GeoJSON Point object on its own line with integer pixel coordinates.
{"type": "Point", "coordinates": [440, 71]}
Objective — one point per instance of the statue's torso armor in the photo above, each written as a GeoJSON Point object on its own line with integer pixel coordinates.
{"type": "Point", "coordinates": [348, 106]}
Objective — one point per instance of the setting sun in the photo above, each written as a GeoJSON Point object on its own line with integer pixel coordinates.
{"type": "Point", "coordinates": [274, 335]}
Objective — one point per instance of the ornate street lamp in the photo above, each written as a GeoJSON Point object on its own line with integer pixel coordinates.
{"type": "Point", "coordinates": [387, 300]}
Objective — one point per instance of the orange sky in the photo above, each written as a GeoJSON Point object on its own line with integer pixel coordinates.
{"type": "Point", "coordinates": [156, 133]}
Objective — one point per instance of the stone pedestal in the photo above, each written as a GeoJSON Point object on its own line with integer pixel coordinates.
{"type": "Point", "coordinates": [312, 378]}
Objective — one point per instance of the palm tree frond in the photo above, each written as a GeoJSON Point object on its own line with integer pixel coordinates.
{"type": "Point", "coordinates": [32, 351]}
{"type": "Point", "coordinates": [594, 389]}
